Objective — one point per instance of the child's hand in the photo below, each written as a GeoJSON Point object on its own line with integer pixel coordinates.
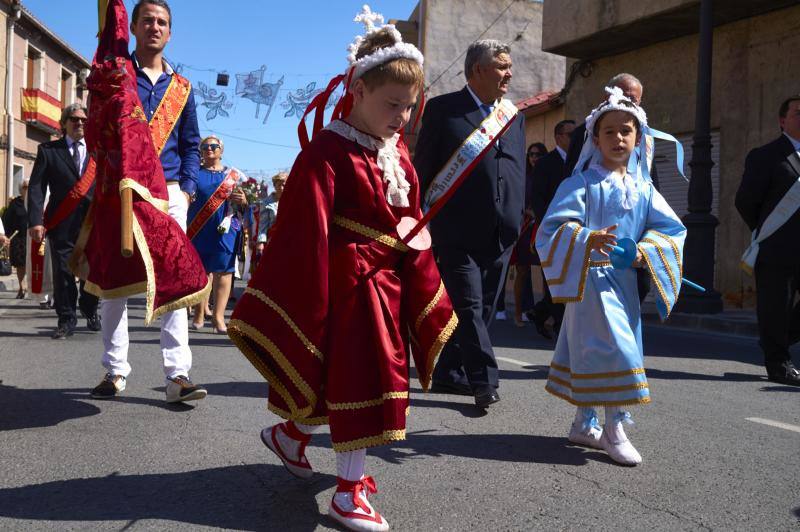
{"type": "Point", "coordinates": [639, 262]}
{"type": "Point", "coordinates": [603, 239]}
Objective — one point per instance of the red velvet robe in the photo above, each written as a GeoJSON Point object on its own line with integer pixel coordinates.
{"type": "Point", "coordinates": [164, 266]}
{"type": "Point", "coordinates": [338, 303]}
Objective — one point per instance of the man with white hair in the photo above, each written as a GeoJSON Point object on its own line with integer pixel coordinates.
{"type": "Point", "coordinates": [475, 231]}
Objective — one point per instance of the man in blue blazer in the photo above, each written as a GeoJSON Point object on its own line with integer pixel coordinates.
{"type": "Point", "coordinates": [474, 233]}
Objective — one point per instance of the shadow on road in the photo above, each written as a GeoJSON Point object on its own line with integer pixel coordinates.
{"type": "Point", "coordinates": [242, 497]}
{"type": "Point", "coordinates": [520, 448]}
{"type": "Point", "coordinates": [685, 375]}
{"type": "Point", "coordinates": [25, 409]}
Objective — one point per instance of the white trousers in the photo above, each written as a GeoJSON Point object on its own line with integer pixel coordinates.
{"type": "Point", "coordinates": [174, 325]}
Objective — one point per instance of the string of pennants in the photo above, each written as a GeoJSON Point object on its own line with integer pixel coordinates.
{"type": "Point", "coordinates": [252, 86]}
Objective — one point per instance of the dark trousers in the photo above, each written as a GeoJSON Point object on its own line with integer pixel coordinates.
{"type": "Point", "coordinates": [474, 284]}
{"type": "Point", "coordinates": [642, 282]}
{"type": "Point", "coordinates": [778, 314]}
{"type": "Point", "coordinates": [66, 293]}
{"type": "Point", "coordinates": [546, 308]}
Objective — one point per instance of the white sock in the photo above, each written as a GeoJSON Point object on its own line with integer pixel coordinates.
{"type": "Point", "coordinates": [350, 465]}
{"type": "Point", "coordinates": [289, 445]}
{"type": "Point", "coordinates": [615, 418]}
{"type": "Point", "coordinates": [585, 418]}
{"type": "Point", "coordinates": [306, 429]}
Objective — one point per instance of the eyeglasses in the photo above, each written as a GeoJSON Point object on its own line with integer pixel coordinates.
{"type": "Point", "coordinates": [535, 154]}
{"type": "Point", "coordinates": [212, 147]}
{"type": "Point", "coordinates": [77, 119]}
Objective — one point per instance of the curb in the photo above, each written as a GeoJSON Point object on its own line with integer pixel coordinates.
{"type": "Point", "coordinates": [708, 323]}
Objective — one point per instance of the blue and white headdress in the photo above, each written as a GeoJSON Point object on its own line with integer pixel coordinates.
{"type": "Point", "coordinates": [638, 163]}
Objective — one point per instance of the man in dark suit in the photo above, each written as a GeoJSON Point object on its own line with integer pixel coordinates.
{"type": "Point", "coordinates": [474, 233]}
{"type": "Point", "coordinates": [547, 176]}
{"type": "Point", "coordinates": [59, 165]}
{"type": "Point", "coordinates": [769, 172]}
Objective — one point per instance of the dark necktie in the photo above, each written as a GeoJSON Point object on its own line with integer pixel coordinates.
{"type": "Point", "coordinates": [76, 155]}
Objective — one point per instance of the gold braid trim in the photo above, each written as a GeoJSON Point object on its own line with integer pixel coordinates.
{"type": "Point", "coordinates": [264, 298]}
{"type": "Point", "coordinates": [599, 263]}
{"type": "Point", "coordinates": [116, 293]}
{"type": "Point", "coordinates": [584, 272]}
{"type": "Point", "coordinates": [369, 232]}
{"type": "Point", "coordinates": [607, 375]}
{"type": "Point", "coordinates": [429, 307]}
{"type": "Point", "coordinates": [663, 258]}
{"type": "Point", "coordinates": [184, 302]}
{"type": "Point", "coordinates": [370, 441]}
{"type": "Point", "coordinates": [77, 258]}
{"type": "Point", "coordinates": [673, 245]}
{"type": "Point", "coordinates": [241, 328]}
{"type": "Point", "coordinates": [567, 257]}
{"type": "Point", "coordinates": [145, 194]}
{"type": "Point", "coordinates": [554, 246]}
{"type": "Point", "coordinates": [365, 404]}
{"type": "Point", "coordinates": [150, 290]}
{"type": "Point", "coordinates": [656, 282]}
{"type": "Point", "coordinates": [436, 350]}
{"type": "Point", "coordinates": [640, 401]}
{"type": "Point", "coordinates": [598, 389]}
{"type": "Point", "coordinates": [321, 420]}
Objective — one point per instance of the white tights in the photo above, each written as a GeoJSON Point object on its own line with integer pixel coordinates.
{"type": "Point", "coordinates": [349, 465]}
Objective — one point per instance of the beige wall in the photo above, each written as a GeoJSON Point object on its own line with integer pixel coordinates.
{"type": "Point", "coordinates": [564, 25]}
{"type": "Point", "coordinates": [755, 67]}
{"type": "Point", "coordinates": [539, 128]}
{"type": "Point", "coordinates": [449, 26]}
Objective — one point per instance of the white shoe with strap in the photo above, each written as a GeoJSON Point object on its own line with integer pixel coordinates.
{"type": "Point", "coordinates": [351, 508]}
{"type": "Point", "coordinates": [293, 459]}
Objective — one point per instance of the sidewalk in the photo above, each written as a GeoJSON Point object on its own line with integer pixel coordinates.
{"type": "Point", "coordinates": [9, 283]}
{"type": "Point", "coordinates": [738, 322]}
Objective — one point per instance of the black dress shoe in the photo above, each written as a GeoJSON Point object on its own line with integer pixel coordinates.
{"type": "Point", "coordinates": [93, 323]}
{"type": "Point", "coordinates": [786, 373]}
{"type": "Point", "coordinates": [485, 396]}
{"type": "Point", "coordinates": [62, 332]}
{"type": "Point", "coordinates": [542, 330]}
{"type": "Point", "coordinates": [454, 388]}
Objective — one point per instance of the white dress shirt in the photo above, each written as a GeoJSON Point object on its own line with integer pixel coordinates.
{"type": "Point", "coordinates": [81, 149]}
{"type": "Point", "coordinates": [794, 141]}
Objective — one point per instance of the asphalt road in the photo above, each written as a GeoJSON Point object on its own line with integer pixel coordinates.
{"type": "Point", "coordinates": [720, 444]}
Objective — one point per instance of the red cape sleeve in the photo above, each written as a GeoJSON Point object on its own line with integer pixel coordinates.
{"type": "Point", "coordinates": [280, 322]}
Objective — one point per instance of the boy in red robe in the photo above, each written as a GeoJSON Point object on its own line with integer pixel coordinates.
{"type": "Point", "coordinates": [339, 301]}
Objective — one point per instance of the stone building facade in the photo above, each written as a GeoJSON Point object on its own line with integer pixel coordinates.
{"type": "Point", "coordinates": [41, 74]}
{"type": "Point", "coordinates": [443, 29]}
{"type": "Point", "coordinates": [755, 65]}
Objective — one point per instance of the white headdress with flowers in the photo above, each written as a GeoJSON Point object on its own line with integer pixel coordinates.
{"type": "Point", "coordinates": [624, 187]}
{"type": "Point", "coordinates": [373, 23]}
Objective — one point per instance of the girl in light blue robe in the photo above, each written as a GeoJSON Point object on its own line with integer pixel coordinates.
{"type": "Point", "coordinates": [598, 360]}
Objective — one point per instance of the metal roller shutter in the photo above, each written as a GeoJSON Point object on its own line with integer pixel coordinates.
{"type": "Point", "coordinates": [673, 187]}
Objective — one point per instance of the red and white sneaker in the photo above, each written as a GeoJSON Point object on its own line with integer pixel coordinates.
{"type": "Point", "coordinates": [271, 437]}
{"type": "Point", "coordinates": [351, 508]}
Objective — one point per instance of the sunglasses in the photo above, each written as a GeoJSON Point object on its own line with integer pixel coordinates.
{"type": "Point", "coordinates": [534, 154]}
{"type": "Point", "coordinates": [77, 119]}
{"type": "Point", "coordinates": [212, 147]}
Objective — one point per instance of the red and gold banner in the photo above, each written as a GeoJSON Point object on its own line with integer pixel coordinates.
{"type": "Point", "coordinates": [39, 107]}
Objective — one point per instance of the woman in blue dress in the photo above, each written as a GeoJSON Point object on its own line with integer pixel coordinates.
{"type": "Point", "coordinates": [215, 227]}
{"type": "Point", "coordinates": [598, 359]}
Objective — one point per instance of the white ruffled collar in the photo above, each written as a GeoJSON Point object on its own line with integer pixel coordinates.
{"type": "Point", "coordinates": [388, 160]}
{"type": "Point", "coordinates": [625, 192]}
